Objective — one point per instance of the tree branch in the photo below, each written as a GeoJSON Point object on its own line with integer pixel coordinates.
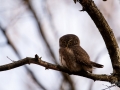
{"type": "Point", "coordinates": [9, 42]}
{"type": "Point", "coordinates": [47, 65]}
{"type": "Point", "coordinates": [106, 32]}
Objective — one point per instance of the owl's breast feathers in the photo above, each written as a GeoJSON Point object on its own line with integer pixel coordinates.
{"type": "Point", "coordinates": [66, 56]}
{"type": "Point", "coordinates": [67, 59]}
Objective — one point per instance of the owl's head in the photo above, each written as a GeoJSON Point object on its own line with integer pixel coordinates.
{"type": "Point", "coordinates": [69, 40]}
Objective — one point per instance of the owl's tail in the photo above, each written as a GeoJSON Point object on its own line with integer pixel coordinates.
{"type": "Point", "coordinates": [96, 65]}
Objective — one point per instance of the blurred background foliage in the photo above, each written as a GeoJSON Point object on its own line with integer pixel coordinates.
{"type": "Point", "coordinates": [29, 27]}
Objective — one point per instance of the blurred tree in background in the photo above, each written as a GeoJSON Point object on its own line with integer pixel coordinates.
{"type": "Point", "coordinates": [29, 27]}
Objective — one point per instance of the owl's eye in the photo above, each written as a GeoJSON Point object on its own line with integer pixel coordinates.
{"type": "Point", "coordinates": [75, 42]}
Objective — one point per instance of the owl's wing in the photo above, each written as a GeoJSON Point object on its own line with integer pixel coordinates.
{"type": "Point", "coordinates": [81, 56]}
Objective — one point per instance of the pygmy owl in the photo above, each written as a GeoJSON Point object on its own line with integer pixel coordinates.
{"type": "Point", "coordinates": [73, 56]}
